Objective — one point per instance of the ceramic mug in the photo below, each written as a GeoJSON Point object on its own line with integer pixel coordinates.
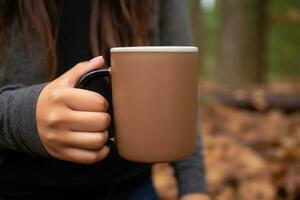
{"type": "Point", "coordinates": [154, 95]}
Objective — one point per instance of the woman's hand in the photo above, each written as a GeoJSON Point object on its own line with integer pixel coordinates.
{"type": "Point", "coordinates": [72, 122]}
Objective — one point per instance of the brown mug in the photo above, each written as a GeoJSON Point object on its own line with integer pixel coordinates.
{"type": "Point", "coordinates": [154, 94]}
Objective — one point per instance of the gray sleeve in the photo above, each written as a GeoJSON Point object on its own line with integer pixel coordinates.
{"type": "Point", "coordinates": [174, 23]}
{"type": "Point", "coordinates": [175, 29]}
{"type": "Point", "coordinates": [18, 131]}
{"type": "Point", "coordinates": [190, 172]}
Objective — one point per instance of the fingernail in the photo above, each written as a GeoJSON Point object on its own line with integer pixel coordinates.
{"type": "Point", "coordinates": [95, 59]}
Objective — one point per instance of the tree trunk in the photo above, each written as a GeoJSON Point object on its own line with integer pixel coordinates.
{"type": "Point", "coordinates": [197, 26]}
{"type": "Point", "coordinates": [261, 32]}
{"type": "Point", "coordinates": [242, 57]}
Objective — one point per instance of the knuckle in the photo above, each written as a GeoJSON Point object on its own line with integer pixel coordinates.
{"type": "Point", "coordinates": [91, 159]}
{"type": "Point", "coordinates": [103, 153]}
{"type": "Point", "coordinates": [105, 135]}
{"type": "Point", "coordinates": [56, 95]}
{"type": "Point", "coordinates": [54, 119]}
{"type": "Point", "coordinates": [101, 139]}
{"type": "Point", "coordinates": [50, 138]}
{"type": "Point", "coordinates": [80, 64]}
{"type": "Point", "coordinates": [102, 103]}
{"type": "Point", "coordinates": [106, 119]}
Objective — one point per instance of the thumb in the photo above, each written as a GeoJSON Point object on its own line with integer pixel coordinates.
{"type": "Point", "coordinates": [71, 77]}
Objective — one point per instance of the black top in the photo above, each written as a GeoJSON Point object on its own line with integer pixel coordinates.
{"type": "Point", "coordinates": [18, 133]}
{"type": "Point", "coordinates": [74, 47]}
{"type": "Point", "coordinates": [57, 178]}
{"type": "Point", "coordinates": [73, 34]}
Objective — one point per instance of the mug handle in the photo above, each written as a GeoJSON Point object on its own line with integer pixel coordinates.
{"type": "Point", "coordinates": [104, 72]}
{"type": "Point", "coordinates": [91, 75]}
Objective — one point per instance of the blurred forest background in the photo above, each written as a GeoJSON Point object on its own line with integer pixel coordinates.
{"type": "Point", "coordinates": [247, 41]}
{"type": "Point", "coordinates": [249, 99]}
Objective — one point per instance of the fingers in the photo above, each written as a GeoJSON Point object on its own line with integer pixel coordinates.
{"type": "Point", "coordinates": [78, 99]}
{"type": "Point", "coordinates": [84, 140]}
{"type": "Point", "coordinates": [87, 121]}
{"type": "Point", "coordinates": [71, 77]}
{"type": "Point", "coordinates": [81, 156]}
{"type": "Point", "coordinates": [84, 100]}
{"type": "Point", "coordinates": [72, 127]}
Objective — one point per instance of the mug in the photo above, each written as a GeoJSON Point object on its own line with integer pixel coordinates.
{"type": "Point", "coordinates": [154, 95]}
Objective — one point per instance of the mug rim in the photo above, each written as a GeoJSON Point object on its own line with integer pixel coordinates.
{"type": "Point", "coordinates": [154, 49]}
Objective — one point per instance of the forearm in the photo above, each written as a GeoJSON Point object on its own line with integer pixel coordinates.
{"type": "Point", "coordinates": [17, 119]}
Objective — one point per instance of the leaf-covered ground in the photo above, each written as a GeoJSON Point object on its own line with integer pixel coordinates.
{"type": "Point", "coordinates": [249, 154]}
